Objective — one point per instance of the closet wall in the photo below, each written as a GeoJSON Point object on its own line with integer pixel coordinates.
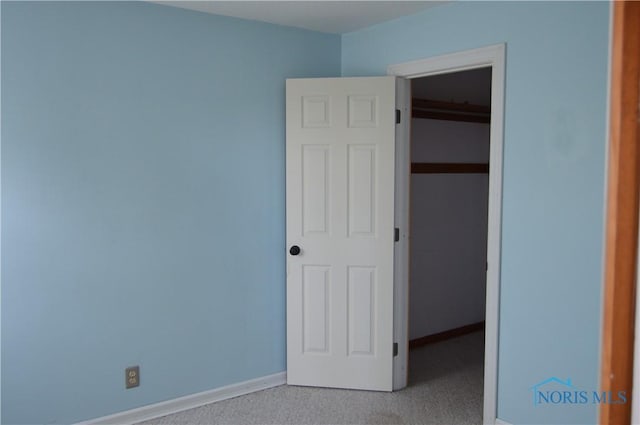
{"type": "Point", "coordinates": [448, 227]}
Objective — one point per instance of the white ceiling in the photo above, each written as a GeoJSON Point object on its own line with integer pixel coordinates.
{"type": "Point", "coordinates": [336, 17]}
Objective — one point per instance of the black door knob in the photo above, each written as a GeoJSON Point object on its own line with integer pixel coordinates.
{"type": "Point", "coordinates": [295, 250]}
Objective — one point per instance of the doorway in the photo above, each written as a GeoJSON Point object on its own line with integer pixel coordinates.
{"type": "Point", "coordinates": [448, 204]}
{"type": "Point", "coordinates": [449, 187]}
{"type": "Point", "coordinates": [493, 58]}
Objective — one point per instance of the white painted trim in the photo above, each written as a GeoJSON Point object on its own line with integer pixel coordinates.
{"type": "Point", "coordinates": [452, 62]}
{"type": "Point", "coordinates": [176, 405]}
{"type": "Point", "coordinates": [501, 422]}
{"type": "Point", "coordinates": [493, 56]}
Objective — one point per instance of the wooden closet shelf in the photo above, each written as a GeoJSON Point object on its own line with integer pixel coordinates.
{"type": "Point", "coordinates": [449, 168]}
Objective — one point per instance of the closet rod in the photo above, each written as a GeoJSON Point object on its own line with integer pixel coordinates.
{"type": "Point", "coordinates": [449, 106]}
{"type": "Point", "coordinates": [450, 111]}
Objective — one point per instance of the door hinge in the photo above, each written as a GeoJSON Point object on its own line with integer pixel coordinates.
{"type": "Point", "coordinates": [397, 116]}
{"type": "Point", "coordinates": [395, 349]}
{"type": "Point", "coordinates": [396, 235]}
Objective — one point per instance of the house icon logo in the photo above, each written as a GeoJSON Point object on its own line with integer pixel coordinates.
{"type": "Point", "coordinates": [551, 386]}
{"type": "Point", "coordinates": [554, 391]}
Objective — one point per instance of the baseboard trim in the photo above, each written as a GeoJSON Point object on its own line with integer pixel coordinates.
{"type": "Point", "coordinates": [176, 405]}
{"type": "Point", "coordinates": [442, 336]}
{"type": "Point", "coordinates": [501, 422]}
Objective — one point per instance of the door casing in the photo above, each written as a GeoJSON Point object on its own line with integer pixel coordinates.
{"type": "Point", "coordinates": [490, 56]}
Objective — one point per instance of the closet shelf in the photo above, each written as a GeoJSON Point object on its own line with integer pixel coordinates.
{"type": "Point", "coordinates": [449, 168]}
{"type": "Point", "coordinates": [450, 111]}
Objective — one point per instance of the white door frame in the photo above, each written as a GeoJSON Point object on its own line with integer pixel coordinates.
{"type": "Point", "coordinates": [490, 56]}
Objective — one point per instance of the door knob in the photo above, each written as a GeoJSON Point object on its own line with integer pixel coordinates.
{"type": "Point", "coordinates": [295, 250]}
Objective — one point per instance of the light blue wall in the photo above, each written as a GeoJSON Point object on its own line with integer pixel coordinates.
{"type": "Point", "coordinates": [142, 202]}
{"type": "Point", "coordinates": [556, 77]}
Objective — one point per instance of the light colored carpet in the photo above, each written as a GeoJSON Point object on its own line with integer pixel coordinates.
{"type": "Point", "coordinates": [445, 387]}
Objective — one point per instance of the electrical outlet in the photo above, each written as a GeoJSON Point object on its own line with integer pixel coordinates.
{"type": "Point", "coordinates": [132, 376]}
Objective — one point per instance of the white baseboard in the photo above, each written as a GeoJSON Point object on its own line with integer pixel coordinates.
{"type": "Point", "coordinates": [176, 405]}
{"type": "Point", "coordinates": [501, 422]}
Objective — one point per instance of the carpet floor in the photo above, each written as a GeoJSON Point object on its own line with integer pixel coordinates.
{"type": "Point", "coordinates": [445, 387]}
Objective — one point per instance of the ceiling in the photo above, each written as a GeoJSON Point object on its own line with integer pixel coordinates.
{"type": "Point", "coordinates": [339, 17]}
{"type": "Point", "coordinates": [336, 17]}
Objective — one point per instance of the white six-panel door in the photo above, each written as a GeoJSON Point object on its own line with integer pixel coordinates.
{"type": "Point", "coordinates": [340, 216]}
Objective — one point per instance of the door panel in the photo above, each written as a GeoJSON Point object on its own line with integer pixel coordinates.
{"type": "Point", "coordinates": [362, 310]}
{"type": "Point", "coordinates": [340, 212]}
{"type": "Point", "coordinates": [315, 189]}
{"type": "Point", "coordinates": [315, 305]}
